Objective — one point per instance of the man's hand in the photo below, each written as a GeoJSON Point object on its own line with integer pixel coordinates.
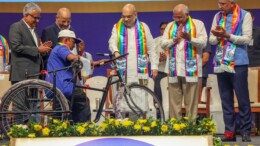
{"type": "Point", "coordinates": [116, 54]}
{"type": "Point", "coordinates": [154, 73]}
{"type": "Point", "coordinates": [47, 44]}
{"type": "Point", "coordinates": [176, 40]}
{"type": "Point", "coordinates": [220, 32]}
{"type": "Point", "coordinates": [163, 57]}
{"type": "Point", "coordinates": [44, 47]}
{"type": "Point", "coordinates": [185, 35]}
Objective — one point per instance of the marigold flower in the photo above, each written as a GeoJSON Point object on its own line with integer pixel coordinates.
{"type": "Point", "coordinates": [103, 126]}
{"type": "Point", "coordinates": [146, 129]}
{"type": "Point", "coordinates": [81, 130]}
{"type": "Point", "coordinates": [164, 128]}
{"type": "Point", "coordinates": [46, 131]}
{"type": "Point", "coordinates": [141, 121]}
{"type": "Point", "coordinates": [64, 125]}
{"type": "Point", "coordinates": [55, 121]}
{"type": "Point", "coordinates": [111, 121]}
{"type": "Point", "coordinates": [177, 127]}
{"type": "Point", "coordinates": [117, 123]}
{"type": "Point", "coordinates": [153, 124]}
{"type": "Point", "coordinates": [137, 127]}
{"type": "Point", "coordinates": [31, 135]}
{"type": "Point", "coordinates": [182, 125]}
{"type": "Point", "coordinates": [127, 123]}
{"type": "Point", "coordinates": [37, 127]}
{"type": "Point", "coordinates": [85, 125]}
{"type": "Point", "coordinates": [172, 120]}
{"type": "Point", "coordinates": [185, 118]}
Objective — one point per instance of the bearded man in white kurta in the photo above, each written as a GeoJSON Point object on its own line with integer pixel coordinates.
{"type": "Point", "coordinates": [129, 35]}
{"type": "Point", "coordinates": [184, 39]}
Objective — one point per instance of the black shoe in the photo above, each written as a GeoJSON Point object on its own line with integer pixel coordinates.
{"type": "Point", "coordinates": [224, 139]}
{"type": "Point", "coordinates": [246, 138]}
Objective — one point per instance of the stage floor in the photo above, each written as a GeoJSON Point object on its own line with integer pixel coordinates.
{"type": "Point", "coordinates": [255, 142]}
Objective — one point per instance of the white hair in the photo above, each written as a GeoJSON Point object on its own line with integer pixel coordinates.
{"type": "Point", "coordinates": [29, 7]}
{"type": "Point", "coordinates": [184, 8]}
{"type": "Point", "coordinates": [234, 1]}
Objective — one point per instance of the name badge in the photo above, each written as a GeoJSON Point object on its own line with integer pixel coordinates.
{"type": "Point", "coordinates": [142, 61]}
{"type": "Point", "coordinates": [121, 64]}
{"type": "Point", "coordinates": [229, 56]}
{"type": "Point", "coordinates": [172, 64]}
{"type": "Point", "coordinates": [191, 64]}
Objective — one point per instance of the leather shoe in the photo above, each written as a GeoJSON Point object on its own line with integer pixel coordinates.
{"type": "Point", "coordinates": [224, 139]}
{"type": "Point", "coordinates": [246, 138]}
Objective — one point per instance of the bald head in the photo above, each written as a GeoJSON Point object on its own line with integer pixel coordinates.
{"type": "Point", "coordinates": [63, 18]}
{"type": "Point", "coordinates": [180, 13]}
{"type": "Point", "coordinates": [129, 15]}
{"type": "Point", "coordinates": [181, 8]}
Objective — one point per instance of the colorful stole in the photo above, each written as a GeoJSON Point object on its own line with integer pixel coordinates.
{"type": "Point", "coordinates": [141, 47]}
{"type": "Point", "coordinates": [191, 67]}
{"type": "Point", "coordinates": [4, 52]}
{"type": "Point", "coordinates": [225, 50]}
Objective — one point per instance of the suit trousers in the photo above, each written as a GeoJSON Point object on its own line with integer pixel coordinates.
{"type": "Point", "coordinates": [228, 83]}
{"type": "Point", "coordinates": [187, 91]}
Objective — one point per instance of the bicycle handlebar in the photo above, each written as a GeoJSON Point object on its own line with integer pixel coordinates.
{"type": "Point", "coordinates": [110, 60]}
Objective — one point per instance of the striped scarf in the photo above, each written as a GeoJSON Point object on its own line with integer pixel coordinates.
{"type": "Point", "coordinates": [4, 52]}
{"type": "Point", "coordinates": [225, 50]}
{"type": "Point", "coordinates": [141, 47]}
{"type": "Point", "coordinates": [191, 67]}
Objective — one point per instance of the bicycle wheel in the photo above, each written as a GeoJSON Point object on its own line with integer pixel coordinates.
{"type": "Point", "coordinates": [31, 100]}
{"type": "Point", "coordinates": [142, 101]}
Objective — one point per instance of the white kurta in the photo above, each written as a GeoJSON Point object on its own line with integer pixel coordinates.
{"type": "Point", "coordinates": [199, 42]}
{"type": "Point", "coordinates": [132, 75]}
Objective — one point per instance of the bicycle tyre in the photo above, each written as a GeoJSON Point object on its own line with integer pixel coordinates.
{"type": "Point", "coordinates": [28, 96]}
{"type": "Point", "coordinates": [149, 94]}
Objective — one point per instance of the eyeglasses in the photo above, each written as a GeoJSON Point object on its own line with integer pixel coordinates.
{"type": "Point", "coordinates": [35, 18]}
{"type": "Point", "coordinates": [177, 17]}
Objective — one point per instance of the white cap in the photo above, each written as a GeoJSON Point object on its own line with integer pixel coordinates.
{"type": "Point", "coordinates": [70, 34]}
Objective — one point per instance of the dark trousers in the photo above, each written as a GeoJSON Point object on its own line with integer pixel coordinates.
{"type": "Point", "coordinates": [228, 83]}
{"type": "Point", "coordinates": [80, 106]}
{"type": "Point", "coordinates": [157, 85]}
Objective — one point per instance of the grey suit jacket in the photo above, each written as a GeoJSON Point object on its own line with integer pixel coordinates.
{"type": "Point", "coordinates": [24, 55]}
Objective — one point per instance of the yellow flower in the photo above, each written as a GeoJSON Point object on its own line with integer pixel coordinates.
{"type": "Point", "coordinates": [141, 121]}
{"type": "Point", "coordinates": [146, 129]}
{"type": "Point", "coordinates": [81, 130]}
{"type": "Point", "coordinates": [85, 125]}
{"type": "Point", "coordinates": [117, 123]}
{"type": "Point", "coordinates": [185, 118]}
{"type": "Point", "coordinates": [172, 120]}
{"type": "Point", "coordinates": [9, 133]}
{"type": "Point", "coordinates": [91, 125]}
{"type": "Point", "coordinates": [182, 125]}
{"type": "Point", "coordinates": [58, 128]}
{"type": "Point", "coordinates": [177, 127]}
{"type": "Point", "coordinates": [103, 126]}
{"type": "Point", "coordinates": [46, 131]}
{"type": "Point", "coordinates": [64, 125]}
{"type": "Point", "coordinates": [213, 130]}
{"type": "Point", "coordinates": [55, 121]}
{"type": "Point", "coordinates": [111, 121]}
{"type": "Point", "coordinates": [164, 128]}
{"type": "Point", "coordinates": [137, 127]}
{"type": "Point", "coordinates": [94, 133]}
{"type": "Point", "coordinates": [127, 123]}
{"type": "Point", "coordinates": [153, 124]}
{"type": "Point", "coordinates": [31, 135]}
{"type": "Point", "coordinates": [37, 127]}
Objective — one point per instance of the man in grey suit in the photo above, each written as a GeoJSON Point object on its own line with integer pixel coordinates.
{"type": "Point", "coordinates": [25, 44]}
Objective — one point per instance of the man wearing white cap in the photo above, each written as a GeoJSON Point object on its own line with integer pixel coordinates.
{"type": "Point", "coordinates": [60, 57]}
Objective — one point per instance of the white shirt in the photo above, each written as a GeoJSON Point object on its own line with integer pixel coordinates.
{"type": "Point", "coordinates": [32, 30]}
{"type": "Point", "coordinates": [161, 66]}
{"type": "Point", "coordinates": [132, 75]}
{"type": "Point", "coordinates": [199, 42]}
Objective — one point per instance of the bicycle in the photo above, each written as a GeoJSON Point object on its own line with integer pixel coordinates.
{"type": "Point", "coordinates": [34, 99]}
